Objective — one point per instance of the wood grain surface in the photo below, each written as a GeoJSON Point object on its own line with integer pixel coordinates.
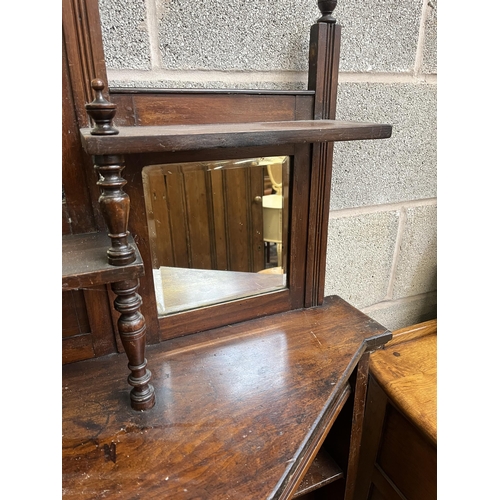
{"type": "Point", "coordinates": [150, 139]}
{"type": "Point", "coordinates": [240, 410]}
{"type": "Point", "coordinates": [407, 371]}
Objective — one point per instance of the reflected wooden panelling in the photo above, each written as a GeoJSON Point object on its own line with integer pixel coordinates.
{"type": "Point", "coordinates": [205, 218]}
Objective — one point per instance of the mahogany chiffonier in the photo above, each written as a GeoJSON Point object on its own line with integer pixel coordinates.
{"type": "Point", "coordinates": [247, 383]}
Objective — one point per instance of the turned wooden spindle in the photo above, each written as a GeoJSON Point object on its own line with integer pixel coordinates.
{"type": "Point", "coordinates": [114, 202]}
{"type": "Point", "coordinates": [327, 7]}
{"type": "Point", "coordinates": [101, 111]}
{"type": "Point", "coordinates": [115, 207]}
{"type": "Point", "coordinates": [132, 329]}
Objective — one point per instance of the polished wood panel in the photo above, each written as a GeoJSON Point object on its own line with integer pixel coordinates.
{"type": "Point", "coordinates": [407, 372]}
{"type": "Point", "coordinates": [77, 348]}
{"type": "Point", "coordinates": [399, 440]}
{"type": "Point", "coordinates": [144, 107]}
{"type": "Point", "coordinates": [86, 323]}
{"type": "Point", "coordinates": [405, 460]}
{"type": "Point", "coordinates": [257, 396]}
{"type": "Point", "coordinates": [214, 136]}
{"type": "Point", "coordinates": [74, 314]}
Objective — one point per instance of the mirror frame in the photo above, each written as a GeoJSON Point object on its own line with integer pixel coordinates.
{"type": "Point", "coordinates": [310, 170]}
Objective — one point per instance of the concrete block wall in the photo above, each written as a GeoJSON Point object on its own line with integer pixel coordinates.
{"type": "Point", "coordinates": [382, 230]}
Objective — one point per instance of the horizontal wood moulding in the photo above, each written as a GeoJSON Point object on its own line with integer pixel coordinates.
{"type": "Point", "coordinates": [160, 91]}
{"type": "Point", "coordinates": [152, 139]}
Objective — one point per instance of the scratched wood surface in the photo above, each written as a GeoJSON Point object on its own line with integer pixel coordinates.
{"type": "Point", "coordinates": [239, 409]}
{"type": "Point", "coordinates": [151, 139]}
{"type": "Point", "coordinates": [407, 371]}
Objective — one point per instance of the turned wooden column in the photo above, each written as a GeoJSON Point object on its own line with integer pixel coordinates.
{"type": "Point", "coordinates": [132, 328]}
{"type": "Point", "coordinates": [115, 207]}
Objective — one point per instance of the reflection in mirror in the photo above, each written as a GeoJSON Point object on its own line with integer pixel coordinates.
{"type": "Point", "coordinates": [217, 230]}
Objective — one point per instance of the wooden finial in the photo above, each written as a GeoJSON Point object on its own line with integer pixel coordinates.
{"type": "Point", "coordinates": [101, 111]}
{"type": "Point", "coordinates": [327, 7]}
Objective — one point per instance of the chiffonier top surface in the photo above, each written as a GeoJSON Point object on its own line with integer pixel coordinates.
{"type": "Point", "coordinates": [237, 412]}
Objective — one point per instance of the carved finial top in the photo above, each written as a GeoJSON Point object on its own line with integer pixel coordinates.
{"type": "Point", "coordinates": [101, 111]}
{"type": "Point", "coordinates": [327, 7]}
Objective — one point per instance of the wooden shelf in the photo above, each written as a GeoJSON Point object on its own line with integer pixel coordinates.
{"type": "Point", "coordinates": [324, 470]}
{"type": "Point", "coordinates": [85, 263]}
{"type": "Point", "coordinates": [168, 138]}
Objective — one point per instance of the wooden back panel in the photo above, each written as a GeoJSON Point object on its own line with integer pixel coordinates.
{"type": "Point", "coordinates": [188, 107]}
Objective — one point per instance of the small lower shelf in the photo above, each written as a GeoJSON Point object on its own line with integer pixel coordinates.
{"type": "Point", "coordinates": [323, 470]}
{"type": "Point", "coordinates": [85, 264]}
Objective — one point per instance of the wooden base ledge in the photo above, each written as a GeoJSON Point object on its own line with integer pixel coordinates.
{"type": "Point", "coordinates": [239, 410]}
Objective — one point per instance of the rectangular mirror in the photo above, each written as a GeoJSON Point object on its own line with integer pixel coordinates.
{"type": "Point", "coordinates": [217, 230]}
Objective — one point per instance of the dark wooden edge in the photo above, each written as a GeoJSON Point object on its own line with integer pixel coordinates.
{"type": "Point", "coordinates": [296, 473]}
{"type": "Point", "coordinates": [85, 263]}
{"type": "Point", "coordinates": [358, 413]}
{"type": "Point", "coordinates": [166, 138]}
{"type": "Point", "coordinates": [375, 408]}
{"type": "Point", "coordinates": [235, 311]}
{"type": "Point", "coordinates": [160, 91]}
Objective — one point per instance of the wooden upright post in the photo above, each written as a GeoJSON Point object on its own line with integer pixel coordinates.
{"type": "Point", "coordinates": [115, 207]}
{"type": "Point", "coordinates": [324, 53]}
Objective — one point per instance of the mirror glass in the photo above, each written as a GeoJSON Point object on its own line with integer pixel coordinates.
{"type": "Point", "coordinates": [217, 230]}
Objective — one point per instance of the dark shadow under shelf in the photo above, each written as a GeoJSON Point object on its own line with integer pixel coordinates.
{"type": "Point", "coordinates": [323, 470]}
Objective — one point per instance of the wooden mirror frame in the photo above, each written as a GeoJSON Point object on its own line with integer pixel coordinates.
{"type": "Point", "coordinates": [310, 175]}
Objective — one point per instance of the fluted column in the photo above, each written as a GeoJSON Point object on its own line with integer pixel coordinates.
{"type": "Point", "coordinates": [324, 55]}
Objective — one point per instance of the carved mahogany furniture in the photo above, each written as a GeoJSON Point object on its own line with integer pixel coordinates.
{"type": "Point", "coordinates": [256, 397]}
